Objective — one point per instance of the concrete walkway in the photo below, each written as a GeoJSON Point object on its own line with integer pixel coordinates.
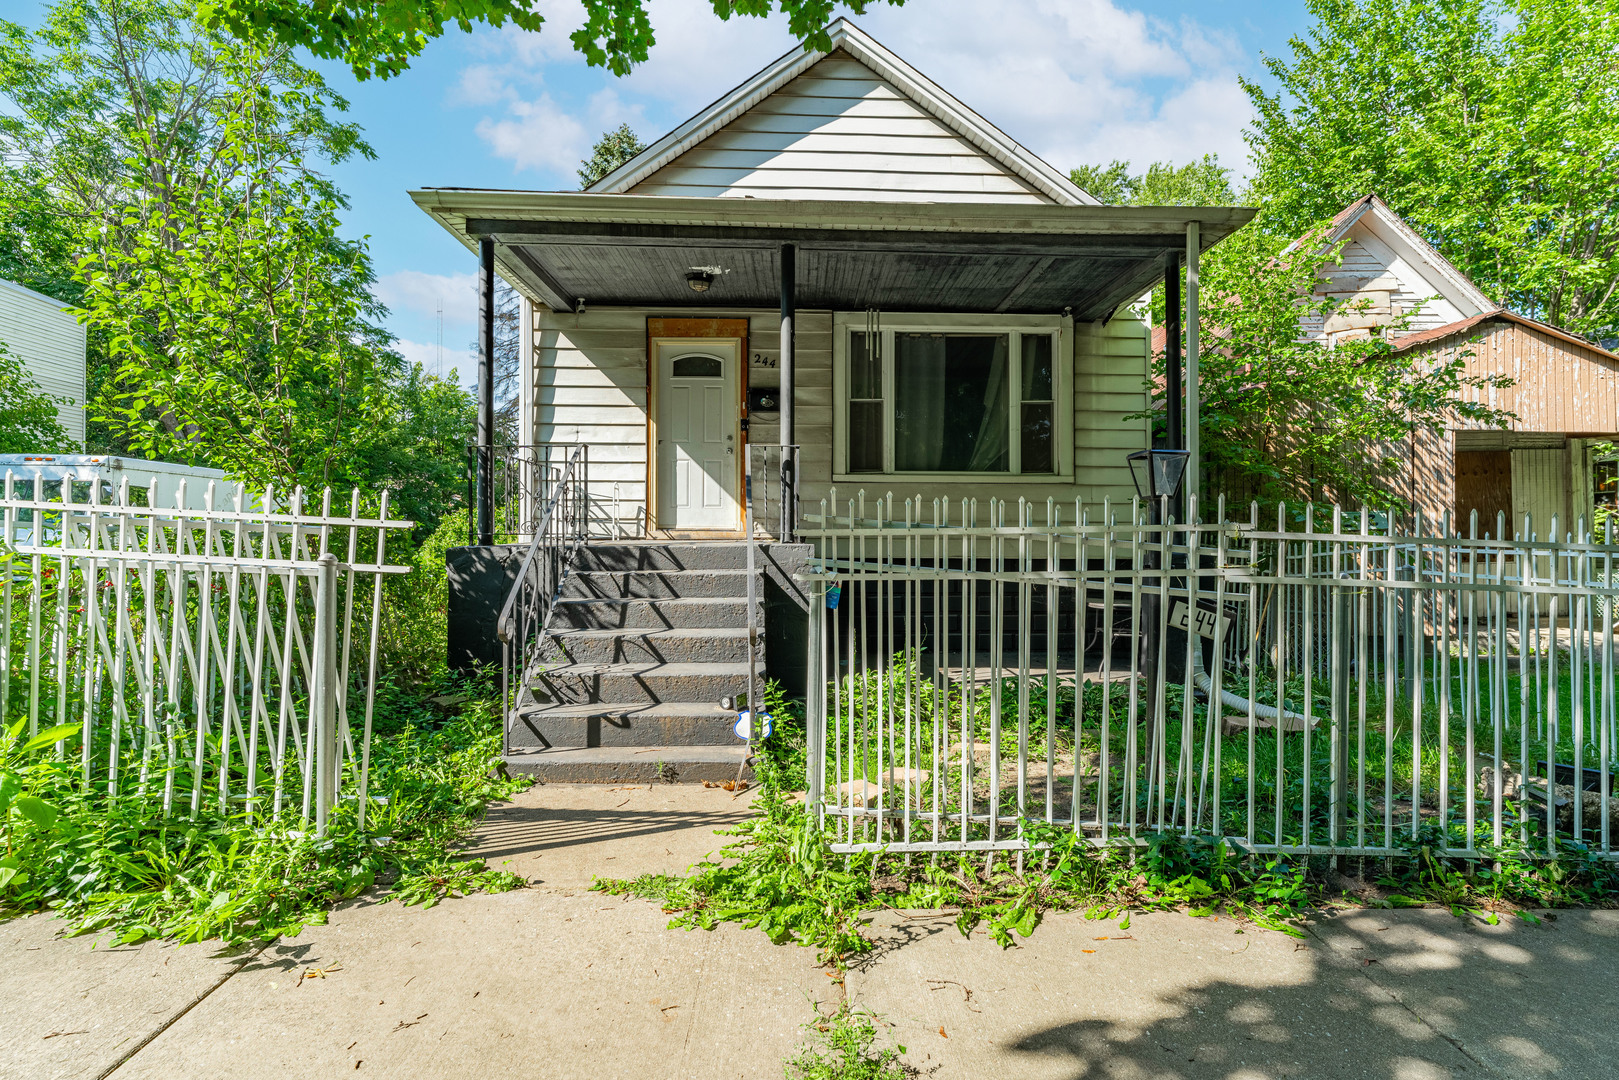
{"type": "Point", "coordinates": [555, 981]}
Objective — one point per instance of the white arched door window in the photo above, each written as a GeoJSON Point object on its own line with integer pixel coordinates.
{"type": "Point", "coordinates": [698, 435]}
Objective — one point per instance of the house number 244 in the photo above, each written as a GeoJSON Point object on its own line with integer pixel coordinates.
{"type": "Point", "coordinates": [761, 360]}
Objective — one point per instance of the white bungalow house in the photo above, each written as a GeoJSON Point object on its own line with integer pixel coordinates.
{"type": "Point", "coordinates": [839, 256]}
{"type": "Point", "coordinates": [851, 194]}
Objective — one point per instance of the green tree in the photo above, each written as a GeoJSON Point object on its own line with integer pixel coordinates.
{"type": "Point", "coordinates": [1288, 417]}
{"type": "Point", "coordinates": [416, 446]}
{"type": "Point", "coordinates": [29, 423]}
{"type": "Point", "coordinates": [613, 149]}
{"type": "Point", "coordinates": [1204, 182]}
{"type": "Point", "coordinates": [1489, 126]}
{"type": "Point", "coordinates": [241, 336]}
{"type": "Point", "coordinates": [382, 37]}
{"type": "Point", "coordinates": [173, 189]}
{"type": "Point", "coordinates": [114, 109]}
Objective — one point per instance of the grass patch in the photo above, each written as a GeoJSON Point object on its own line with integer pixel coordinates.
{"type": "Point", "coordinates": [779, 875]}
{"type": "Point", "coordinates": [118, 865]}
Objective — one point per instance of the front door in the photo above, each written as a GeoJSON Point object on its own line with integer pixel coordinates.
{"type": "Point", "coordinates": [698, 435]}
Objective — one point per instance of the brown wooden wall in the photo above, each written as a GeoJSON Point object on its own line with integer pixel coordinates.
{"type": "Point", "coordinates": [1557, 385]}
{"type": "Point", "coordinates": [1559, 389]}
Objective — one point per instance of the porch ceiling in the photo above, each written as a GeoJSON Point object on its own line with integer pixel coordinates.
{"type": "Point", "coordinates": [636, 250]}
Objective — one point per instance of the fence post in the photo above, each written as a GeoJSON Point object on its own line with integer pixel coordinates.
{"type": "Point", "coordinates": [1342, 662]}
{"type": "Point", "coordinates": [324, 702]}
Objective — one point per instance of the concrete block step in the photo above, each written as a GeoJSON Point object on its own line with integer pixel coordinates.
{"type": "Point", "coordinates": [627, 764]}
{"type": "Point", "coordinates": [603, 613]}
{"type": "Point", "coordinates": [579, 684]}
{"type": "Point", "coordinates": [686, 645]}
{"type": "Point", "coordinates": [677, 723]}
{"type": "Point", "coordinates": [663, 555]}
{"type": "Point", "coordinates": [658, 584]}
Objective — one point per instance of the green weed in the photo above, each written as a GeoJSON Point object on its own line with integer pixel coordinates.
{"type": "Point", "coordinates": [842, 1046]}
{"type": "Point", "coordinates": [120, 865]}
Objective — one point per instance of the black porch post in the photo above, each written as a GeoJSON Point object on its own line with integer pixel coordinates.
{"type": "Point", "coordinates": [1172, 349]}
{"type": "Point", "coordinates": [789, 287]}
{"type": "Point", "coordinates": [486, 391]}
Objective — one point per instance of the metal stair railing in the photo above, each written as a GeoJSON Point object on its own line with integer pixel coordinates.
{"type": "Point", "coordinates": [560, 527]}
{"type": "Point", "coordinates": [761, 510]}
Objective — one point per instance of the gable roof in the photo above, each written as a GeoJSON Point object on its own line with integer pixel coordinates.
{"type": "Point", "coordinates": [1439, 333]}
{"type": "Point", "coordinates": [1391, 228]}
{"type": "Point", "coordinates": [933, 100]}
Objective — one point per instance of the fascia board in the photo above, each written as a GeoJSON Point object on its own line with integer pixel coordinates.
{"type": "Point", "coordinates": [779, 73]}
{"type": "Point", "coordinates": [1393, 231]}
{"type": "Point", "coordinates": [967, 123]}
{"type": "Point", "coordinates": [822, 214]}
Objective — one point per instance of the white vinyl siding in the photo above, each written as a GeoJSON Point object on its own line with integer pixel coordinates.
{"type": "Point", "coordinates": [50, 343]}
{"type": "Point", "coordinates": [839, 131]}
{"type": "Point", "coordinates": [590, 386]}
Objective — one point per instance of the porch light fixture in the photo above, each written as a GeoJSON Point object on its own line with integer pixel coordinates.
{"type": "Point", "coordinates": [1157, 473]}
{"type": "Point", "coordinates": [700, 280]}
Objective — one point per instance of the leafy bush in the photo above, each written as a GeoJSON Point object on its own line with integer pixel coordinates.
{"type": "Point", "coordinates": [29, 423]}
{"type": "Point", "coordinates": [412, 642]}
{"type": "Point", "coordinates": [120, 865]}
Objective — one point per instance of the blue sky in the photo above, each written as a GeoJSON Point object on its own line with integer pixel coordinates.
{"type": "Point", "coordinates": [1076, 81]}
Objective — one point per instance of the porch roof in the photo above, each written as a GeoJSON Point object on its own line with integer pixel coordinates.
{"type": "Point", "coordinates": [635, 250]}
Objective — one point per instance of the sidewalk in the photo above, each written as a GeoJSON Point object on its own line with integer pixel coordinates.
{"type": "Point", "coordinates": [555, 981]}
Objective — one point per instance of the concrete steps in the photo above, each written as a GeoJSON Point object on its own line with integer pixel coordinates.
{"type": "Point", "coordinates": [638, 765]}
{"type": "Point", "coordinates": [646, 639]}
{"type": "Point", "coordinates": [684, 645]}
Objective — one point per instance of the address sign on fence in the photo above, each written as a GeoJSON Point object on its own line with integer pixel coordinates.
{"type": "Point", "coordinates": [1207, 624]}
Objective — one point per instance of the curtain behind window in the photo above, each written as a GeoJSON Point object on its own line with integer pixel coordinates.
{"type": "Point", "coordinates": [950, 403]}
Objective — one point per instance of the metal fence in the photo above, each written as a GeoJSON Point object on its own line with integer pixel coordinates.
{"type": "Point", "coordinates": [223, 654]}
{"type": "Point", "coordinates": [1323, 682]}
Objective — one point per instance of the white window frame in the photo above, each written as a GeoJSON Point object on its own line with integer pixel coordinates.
{"type": "Point", "coordinates": [1062, 400]}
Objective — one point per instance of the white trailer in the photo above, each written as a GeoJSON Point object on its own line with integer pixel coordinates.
{"type": "Point", "coordinates": [157, 481]}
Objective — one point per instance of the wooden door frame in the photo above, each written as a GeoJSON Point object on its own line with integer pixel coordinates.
{"type": "Point", "coordinates": [658, 328]}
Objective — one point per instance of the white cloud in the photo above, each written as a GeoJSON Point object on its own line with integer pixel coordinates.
{"type": "Point", "coordinates": [480, 84]}
{"type": "Point", "coordinates": [412, 293]}
{"type": "Point", "coordinates": [1077, 81]}
{"type": "Point", "coordinates": [459, 364]}
{"type": "Point", "coordinates": [538, 134]}
{"type": "Point", "coordinates": [1080, 81]}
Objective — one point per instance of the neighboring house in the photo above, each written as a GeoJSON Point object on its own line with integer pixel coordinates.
{"type": "Point", "coordinates": [1565, 390]}
{"type": "Point", "coordinates": [51, 344]}
{"type": "Point", "coordinates": [851, 192]}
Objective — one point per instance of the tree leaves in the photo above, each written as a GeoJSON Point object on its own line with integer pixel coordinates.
{"type": "Point", "coordinates": [29, 422]}
{"type": "Point", "coordinates": [1489, 126]}
{"type": "Point", "coordinates": [1286, 416]}
{"type": "Point", "coordinates": [381, 37]}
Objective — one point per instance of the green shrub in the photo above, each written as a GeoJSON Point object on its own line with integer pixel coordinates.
{"type": "Point", "coordinates": [412, 641]}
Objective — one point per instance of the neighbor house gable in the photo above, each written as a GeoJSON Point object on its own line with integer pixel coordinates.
{"type": "Point", "coordinates": [854, 123]}
{"type": "Point", "coordinates": [1384, 272]}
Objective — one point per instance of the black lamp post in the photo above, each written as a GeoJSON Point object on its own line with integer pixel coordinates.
{"type": "Point", "coordinates": [1157, 475]}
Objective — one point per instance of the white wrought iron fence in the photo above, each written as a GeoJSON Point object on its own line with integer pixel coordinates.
{"type": "Point", "coordinates": [227, 653]}
{"type": "Point", "coordinates": [1324, 683]}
